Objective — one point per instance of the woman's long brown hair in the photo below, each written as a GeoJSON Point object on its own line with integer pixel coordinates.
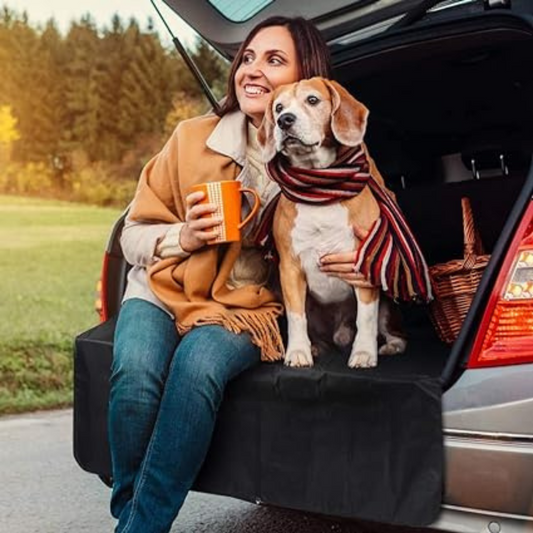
{"type": "Point", "coordinates": [311, 50]}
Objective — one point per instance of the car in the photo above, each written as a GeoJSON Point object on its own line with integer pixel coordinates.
{"type": "Point", "coordinates": [449, 85]}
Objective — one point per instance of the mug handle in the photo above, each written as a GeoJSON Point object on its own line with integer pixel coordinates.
{"type": "Point", "coordinates": [255, 207]}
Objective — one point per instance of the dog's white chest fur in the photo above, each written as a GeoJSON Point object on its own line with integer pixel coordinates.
{"type": "Point", "coordinates": [321, 230]}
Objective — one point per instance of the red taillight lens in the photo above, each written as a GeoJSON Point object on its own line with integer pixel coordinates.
{"type": "Point", "coordinates": [98, 300]}
{"type": "Point", "coordinates": [505, 335]}
{"type": "Point", "coordinates": [102, 304]}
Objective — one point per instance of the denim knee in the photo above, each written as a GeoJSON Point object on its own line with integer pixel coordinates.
{"type": "Point", "coordinates": [133, 376]}
{"type": "Point", "coordinates": [209, 356]}
{"type": "Point", "coordinates": [145, 341]}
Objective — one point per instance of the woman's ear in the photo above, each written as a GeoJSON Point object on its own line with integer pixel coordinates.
{"type": "Point", "coordinates": [265, 135]}
{"type": "Point", "coordinates": [348, 115]}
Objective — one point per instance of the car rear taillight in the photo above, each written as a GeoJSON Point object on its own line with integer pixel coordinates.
{"type": "Point", "coordinates": [505, 335]}
{"type": "Point", "coordinates": [101, 305]}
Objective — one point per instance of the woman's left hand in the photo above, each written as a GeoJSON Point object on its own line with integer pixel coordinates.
{"type": "Point", "coordinates": [341, 266]}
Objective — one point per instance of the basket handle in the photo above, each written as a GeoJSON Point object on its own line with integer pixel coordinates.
{"type": "Point", "coordinates": [472, 240]}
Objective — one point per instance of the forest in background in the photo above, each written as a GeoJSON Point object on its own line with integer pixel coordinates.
{"type": "Point", "coordinates": [82, 112]}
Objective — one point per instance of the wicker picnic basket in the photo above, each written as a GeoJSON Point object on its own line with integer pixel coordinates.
{"type": "Point", "coordinates": [456, 281]}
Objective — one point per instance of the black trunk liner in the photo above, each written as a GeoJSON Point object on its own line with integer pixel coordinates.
{"type": "Point", "coordinates": [356, 443]}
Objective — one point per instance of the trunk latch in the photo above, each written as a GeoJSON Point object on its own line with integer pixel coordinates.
{"type": "Point", "coordinates": [498, 166]}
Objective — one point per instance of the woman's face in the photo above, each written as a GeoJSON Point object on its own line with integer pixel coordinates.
{"type": "Point", "coordinates": [269, 60]}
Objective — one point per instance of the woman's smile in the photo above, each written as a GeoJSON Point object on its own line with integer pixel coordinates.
{"type": "Point", "coordinates": [254, 90]}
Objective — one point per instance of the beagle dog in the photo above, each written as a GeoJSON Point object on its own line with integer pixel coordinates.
{"type": "Point", "coordinates": [308, 122]}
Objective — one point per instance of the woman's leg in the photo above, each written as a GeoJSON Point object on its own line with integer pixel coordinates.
{"type": "Point", "coordinates": [145, 340]}
{"type": "Point", "coordinates": [205, 360]}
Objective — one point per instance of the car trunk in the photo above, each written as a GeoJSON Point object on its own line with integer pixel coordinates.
{"type": "Point", "coordinates": [451, 116]}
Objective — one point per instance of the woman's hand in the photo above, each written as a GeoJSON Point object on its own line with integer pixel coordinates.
{"type": "Point", "coordinates": [197, 230]}
{"type": "Point", "coordinates": [341, 265]}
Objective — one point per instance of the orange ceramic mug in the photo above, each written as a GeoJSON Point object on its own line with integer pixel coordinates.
{"type": "Point", "coordinates": [226, 195]}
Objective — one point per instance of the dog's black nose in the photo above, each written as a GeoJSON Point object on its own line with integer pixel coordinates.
{"type": "Point", "coordinates": [286, 120]}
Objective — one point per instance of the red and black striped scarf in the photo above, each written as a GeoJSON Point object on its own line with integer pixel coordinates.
{"type": "Point", "coordinates": [389, 256]}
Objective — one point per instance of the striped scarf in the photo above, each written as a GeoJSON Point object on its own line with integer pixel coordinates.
{"type": "Point", "coordinates": [389, 255]}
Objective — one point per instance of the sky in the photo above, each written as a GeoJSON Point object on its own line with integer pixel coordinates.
{"type": "Point", "coordinates": [63, 11]}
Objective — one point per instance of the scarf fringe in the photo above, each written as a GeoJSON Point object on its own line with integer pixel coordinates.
{"type": "Point", "coordinates": [262, 325]}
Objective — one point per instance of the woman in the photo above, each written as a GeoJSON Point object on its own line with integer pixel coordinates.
{"type": "Point", "coordinates": [168, 373]}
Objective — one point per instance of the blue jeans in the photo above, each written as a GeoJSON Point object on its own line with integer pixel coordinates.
{"type": "Point", "coordinates": [165, 394]}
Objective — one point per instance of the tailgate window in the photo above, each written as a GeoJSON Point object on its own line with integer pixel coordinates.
{"type": "Point", "coordinates": [239, 11]}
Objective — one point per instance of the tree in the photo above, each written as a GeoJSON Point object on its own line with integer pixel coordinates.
{"type": "Point", "coordinates": [109, 72]}
{"type": "Point", "coordinates": [49, 94]}
{"type": "Point", "coordinates": [147, 86]}
{"type": "Point", "coordinates": [214, 67]}
{"type": "Point", "coordinates": [8, 133]}
{"type": "Point", "coordinates": [184, 106]}
{"type": "Point", "coordinates": [22, 89]}
{"type": "Point", "coordinates": [6, 53]}
{"type": "Point", "coordinates": [8, 126]}
{"type": "Point", "coordinates": [81, 97]}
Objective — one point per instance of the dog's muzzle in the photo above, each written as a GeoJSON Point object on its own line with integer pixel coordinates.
{"type": "Point", "coordinates": [286, 121]}
{"type": "Point", "coordinates": [289, 136]}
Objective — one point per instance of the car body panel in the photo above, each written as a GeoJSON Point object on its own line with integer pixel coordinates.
{"type": "Point", "coordinates": [495, 399]}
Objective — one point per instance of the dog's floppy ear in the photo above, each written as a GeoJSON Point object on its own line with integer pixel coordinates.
{"type": "Point", "coordinates": [348, 115]}
{"type": "Point", "coordinates": [265, 134]}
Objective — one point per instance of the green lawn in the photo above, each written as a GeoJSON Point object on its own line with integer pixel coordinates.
{"type": "Point", "coordinates": [50, 260]}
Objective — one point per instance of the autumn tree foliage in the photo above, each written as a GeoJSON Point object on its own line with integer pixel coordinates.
{"type": "Point", "coordinates": [94, 95]}
{"type": "Point", "coordinates": [8, 133]}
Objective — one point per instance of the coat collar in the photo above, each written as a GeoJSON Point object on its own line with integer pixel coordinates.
{"type": "Point", "coordinates": [229, 137]}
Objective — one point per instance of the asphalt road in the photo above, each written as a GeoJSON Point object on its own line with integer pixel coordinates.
{"type": "Point", "coordinates": [42, 490]}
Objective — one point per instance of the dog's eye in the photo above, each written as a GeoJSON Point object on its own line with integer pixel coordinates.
{"type": "Point", "coordinates": [279, 108]}
{"type": "Point", "coordinates": [312, 100]}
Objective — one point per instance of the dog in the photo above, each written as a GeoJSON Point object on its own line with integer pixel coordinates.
{"type": "Point", "coordinates": [309, 122]}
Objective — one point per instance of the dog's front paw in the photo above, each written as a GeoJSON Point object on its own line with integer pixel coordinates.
{"type": "Point", "coordinates": [363, 359]}
{"type": "Point", "coordinates": [298, 357]}
{"type": "Point", "coordinates": [393, 346]}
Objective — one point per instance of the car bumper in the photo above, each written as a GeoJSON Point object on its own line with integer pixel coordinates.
{"type": "Point", "coordinates": [464, 520]}
{"type": "Point", "coordinates": [489, 471]}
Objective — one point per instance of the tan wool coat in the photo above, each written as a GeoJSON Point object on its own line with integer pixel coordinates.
{"type": "Point", "coordinates": [195, 288]}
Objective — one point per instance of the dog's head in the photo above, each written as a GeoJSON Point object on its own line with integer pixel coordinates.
{"type": "Point", "coordinates": [309, 119]}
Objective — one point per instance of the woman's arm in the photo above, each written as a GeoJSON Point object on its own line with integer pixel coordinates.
{"type": "Point", "coordinates": [144, 243]}
{"type": "Point", "coordinates": [141, 242]}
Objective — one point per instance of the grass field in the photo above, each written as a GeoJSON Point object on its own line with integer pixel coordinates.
{"type": "Point", "coordinates": [50, 261]}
